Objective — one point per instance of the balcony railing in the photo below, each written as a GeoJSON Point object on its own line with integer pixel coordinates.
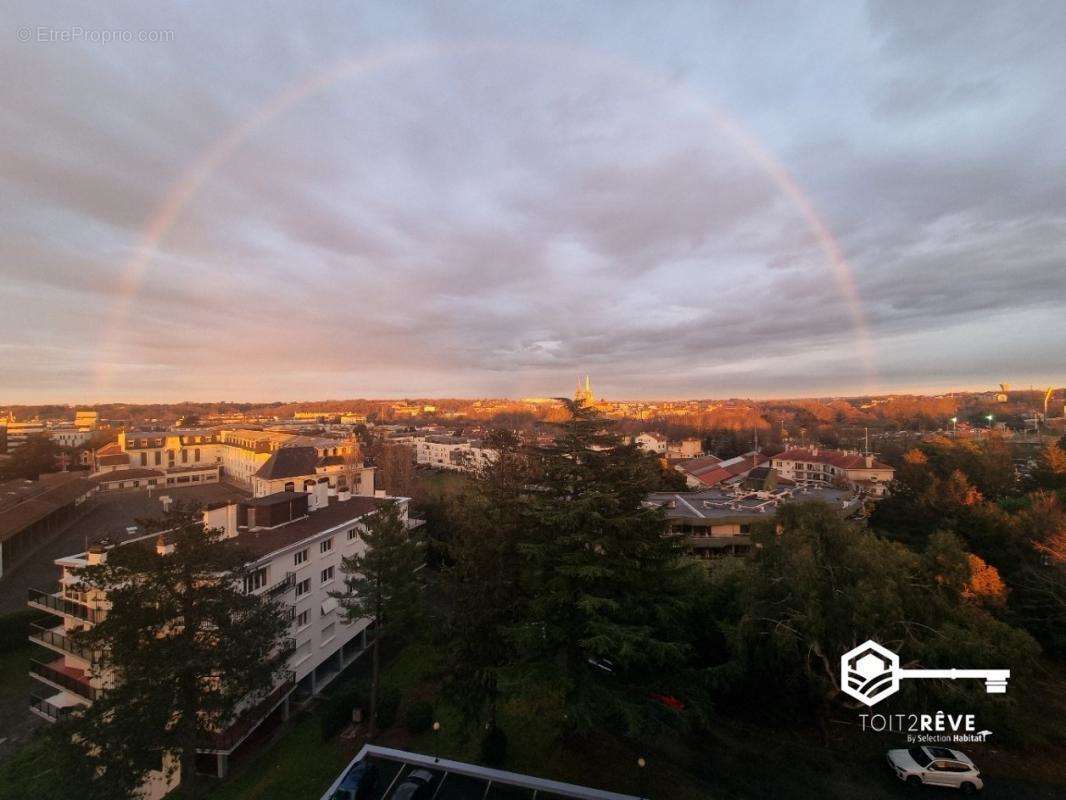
{"type": "Point", "coordinates": [58, 640]}
{"type": "Point", "coordinates": [82, 688]}
{"type": "Point", "coordinates": [229, 738]}
{"type": "Point", "coordinates": [50, 710]}
{"type": "Point", "coordinates": [283, 585]}
{"type": "Point", "coordinates": [62, 605]}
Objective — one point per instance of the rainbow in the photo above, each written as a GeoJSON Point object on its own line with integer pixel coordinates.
{"type": "Point", "coordinates": [184, 190]}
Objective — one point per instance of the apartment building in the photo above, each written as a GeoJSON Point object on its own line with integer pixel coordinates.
{"type": "Point", "coordinates": [453, 452]}
{"type": "Point", "coordinates": [297, 541]}
{"type": "Point", "coordinates": [70, 437]}
{"type": "Point", "coordinates": [19, 432]}
{"type": "Point", "coordinates": [86, 420]}
{"type": "Point", "coordinates": [192, 455]}
{"type": "Point", "coordinates": [651, 442]}
{"type": "Point", "coordinates": [818, 466]}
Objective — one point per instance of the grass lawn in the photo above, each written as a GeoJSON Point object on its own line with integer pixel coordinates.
{"type": "Point", "coordinates": [299, 765]}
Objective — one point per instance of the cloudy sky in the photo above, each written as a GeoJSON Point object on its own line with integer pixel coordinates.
{"type": "Point", "coordinates": [297, 201]}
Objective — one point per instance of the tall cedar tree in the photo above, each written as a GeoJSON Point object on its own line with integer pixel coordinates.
{"type": "Point", "coordinates": [188, 648]}
{"type": "Point", "coordinates": [606, 587]}
{"type": "Point", "coordinates": [382, 582]}
{"type": "Point", "coordinates": [480, 583]}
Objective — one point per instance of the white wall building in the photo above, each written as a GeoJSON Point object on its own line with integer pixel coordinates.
{"type": "Point", "coordinates": [297, 541]}
{"type": "Point", "coordinates": [818, 466]}
{"type": "Point", "coordinates": [453, 453]}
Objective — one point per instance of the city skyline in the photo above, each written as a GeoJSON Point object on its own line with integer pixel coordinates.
{"type": "Point", "coordinates": [469, 201]}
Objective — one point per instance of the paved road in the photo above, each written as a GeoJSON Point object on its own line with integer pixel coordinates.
{"type": "Point", "coordinates": [111, 512]}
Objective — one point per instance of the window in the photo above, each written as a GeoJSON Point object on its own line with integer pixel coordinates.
{"type": "Point", "coordinates": [290, 487]}
{"type": "Point", "coordinates": [196, 454]}
{"type": "Point", "coordinates": [327, 632]}
{"type": "Point", "coordinates": [144, 459]}
{"type": "Point", "coordinates": [327, 575]}
{"type": "Point", "coordinates": [158, 457]}
{"type": "Point", "coordinates": [300, 557]}
{"type": "Point", "coordinates": [184, 456]}
{"type": "Point", "coordinates": [301, 619]}
{"type": "Point", "coordinates": [303, 587]}
{"type": "Point", "coordinates": [257, 580]}
{"type": "Point", "coordinates": [326, 546]}
{"type": "Point", "coordinates": [352, 534]}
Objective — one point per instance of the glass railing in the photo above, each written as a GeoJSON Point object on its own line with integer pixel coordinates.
{"type": "Point", "coordinates": [62, 605]}
{"type": "Point", "coordinates": [50, 710]}
{"type": "Point", "coordinates": [60, 641]}
{"type": "Point", "coordinates": [81, 688]}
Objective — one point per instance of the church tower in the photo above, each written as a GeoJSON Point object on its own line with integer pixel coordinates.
{"type": "Point", "coordinates": [583, 394]}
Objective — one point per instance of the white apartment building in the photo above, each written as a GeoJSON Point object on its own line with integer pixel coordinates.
{"type": "Point", "coordinates": [240, 453]}
{"type": "Point", "coordinates": [818, 466]}
{"type": "Point", "coordinates": [453, 452]}
{"type": "Point", "coordinates": [298, 540]}
{"type": "Point", "coordinates": [70, 437]}
{"type": "Point", "coordinates": [651, 442]}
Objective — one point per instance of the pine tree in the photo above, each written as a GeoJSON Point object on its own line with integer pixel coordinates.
{"type": "Point", "coordinates": [606, 586]}
{"type": "Point", "coordinates": [382, 583]}
{"type": "Point", "coordinates": [187, 649]}
{"type": "Point", "coordinates": [480, 583]}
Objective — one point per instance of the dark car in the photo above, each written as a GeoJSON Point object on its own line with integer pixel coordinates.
{"type": "Point", "coordinates": [415, 787]}
{"type": "Point", "coordinates": [358, 783]}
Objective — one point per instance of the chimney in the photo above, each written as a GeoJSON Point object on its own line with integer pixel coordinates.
{"type": "Point", "coordinates": [161, 546]}
{"type": "Point", "coordinates": [344, 495]}
{"type": "Point", "coordinates": [869, 461]}
{"type": "Point", "coordinates": [319, 496]}
{"type": "Point", "coordinates": [97, 554]}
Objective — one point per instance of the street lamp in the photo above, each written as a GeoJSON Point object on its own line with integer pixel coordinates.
{"type": "Point", "coordinates": [641, 764]}
{"type": "Point", "coordinates": [990, 417]}
{"type": "Point", "coordinates": [954, 427]}
{"type": "Point", "coordinates": [436, 741]}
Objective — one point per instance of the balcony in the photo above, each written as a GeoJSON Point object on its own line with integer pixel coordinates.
{"type": "Point", "coordinates": [283, 585]}
{"type": "Point", "coordinates": [62, 677]}
{"type": "Point", "coordinates": [50, 709]}
{"type": "Point", "coordinates": [55, 640]}
{"type": "Point", "coordinates": [58, 604]}
{"type": "Point", "coordinates": [226, 740]}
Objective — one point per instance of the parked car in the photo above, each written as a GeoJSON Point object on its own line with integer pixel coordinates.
{"type": "Point", "coordinates": [415, 786]}
{"type": "Point", "coordinates": [936, 766]}
{"type": "Point", "coordinates": [359, 782]}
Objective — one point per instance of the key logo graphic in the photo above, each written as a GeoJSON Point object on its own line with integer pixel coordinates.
{"type": "Point", "coordinates": [870, 673]}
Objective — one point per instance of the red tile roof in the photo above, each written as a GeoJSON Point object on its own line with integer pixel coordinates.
{"type": "Point", "coordinates": [837, 458]}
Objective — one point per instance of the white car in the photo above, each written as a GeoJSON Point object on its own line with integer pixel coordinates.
{"type": "Point", "coordinates": [936, 766]}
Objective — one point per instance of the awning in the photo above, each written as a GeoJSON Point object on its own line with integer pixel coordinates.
{"type": "Point", "coordinates": [329, 606]}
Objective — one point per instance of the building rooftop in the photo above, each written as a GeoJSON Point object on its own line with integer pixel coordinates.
{"type": "Point", "coordinates": [261, 542]}
{"type": "Point", "coordinates": [289, 462]}
{"type": "Point", "coordinates": [24, 502]}
{"type": "Point", "coordinates": [728, 503]}
{"type": "Point", "coordinates": [456, 780]}
{"type": "Point", "coordinates": [838, 458]}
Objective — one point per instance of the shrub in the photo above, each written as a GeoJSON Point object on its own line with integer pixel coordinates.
{"type": "Point", "coordinates": [388, 704]}
{"type": "Point", "coordinates": [419, 716]}
{"type": "Point", "coordinates": [494, 748]}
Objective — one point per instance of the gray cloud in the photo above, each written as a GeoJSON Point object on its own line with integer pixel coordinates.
{"type": "Point", "coordinates": [485, 218]}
